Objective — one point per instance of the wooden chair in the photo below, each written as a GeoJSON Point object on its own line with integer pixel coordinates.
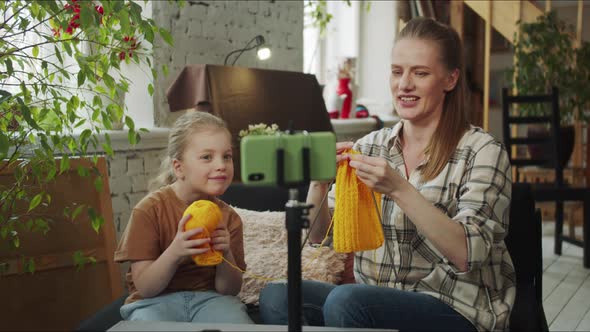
{"type": "Point", "coordinates": [559, 191]}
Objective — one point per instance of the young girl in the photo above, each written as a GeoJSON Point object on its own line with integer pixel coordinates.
{"type": "Point", "coordinates": [163, 282]}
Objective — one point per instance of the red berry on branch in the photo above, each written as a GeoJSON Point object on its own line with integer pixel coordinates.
{"type": "Point", "coordinates": [131, 41]}
{"type": "Point", "coordinates": [74, 22]}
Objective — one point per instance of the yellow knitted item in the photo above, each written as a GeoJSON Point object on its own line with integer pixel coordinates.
{"type": "Point", "coordinates": [205, 214]}
{"type": "Point", "coordinates": [356, 221]}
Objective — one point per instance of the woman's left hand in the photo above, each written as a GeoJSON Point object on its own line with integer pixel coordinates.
{"type": "Point", "coordinates": [376, 173]}
{"type": "Point", "coordinates": [220, 239]}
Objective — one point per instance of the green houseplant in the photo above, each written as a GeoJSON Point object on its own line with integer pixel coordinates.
{"type": "Point", "coordinates": [545, 56]}
{"type": "Point", "coordinates": [60, 83]}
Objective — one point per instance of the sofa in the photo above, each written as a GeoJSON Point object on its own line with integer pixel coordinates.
{"type": "Point", "coordinates": [262, 212]}
{"type": "Point", "coordinates": [523, 241]}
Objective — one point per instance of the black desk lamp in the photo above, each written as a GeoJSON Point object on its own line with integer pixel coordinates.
{"type": "Point", "coordinates": [263, 53]}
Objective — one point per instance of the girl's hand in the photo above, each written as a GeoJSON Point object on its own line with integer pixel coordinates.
{"type": "Point", "coordinates": [376, 173]}
{"type": "Point", "coordinates": [220, 239]}
{"type": "Point", "coordinates": [182, 246]}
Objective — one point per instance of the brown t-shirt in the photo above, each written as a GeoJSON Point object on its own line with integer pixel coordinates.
{"type": "Point", "coordinates": [151, 229]}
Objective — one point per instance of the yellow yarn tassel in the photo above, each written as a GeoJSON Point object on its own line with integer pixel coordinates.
{"type": "Point", "coordinates": [356, 220]}
{"type": "Point", "coordinates": [205, 214]}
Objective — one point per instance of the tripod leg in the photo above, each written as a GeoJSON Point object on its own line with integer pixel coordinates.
{"type": "Point", "coordinates": [294, 279]}
{"type": "Point", "coordinates": [296, 215]}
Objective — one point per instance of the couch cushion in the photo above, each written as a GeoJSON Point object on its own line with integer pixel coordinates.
{"type": "Point", "coordinates": [265, 247]}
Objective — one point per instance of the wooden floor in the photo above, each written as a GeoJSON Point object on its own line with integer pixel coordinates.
{"type": "Point", "coordinates": [566, 286]}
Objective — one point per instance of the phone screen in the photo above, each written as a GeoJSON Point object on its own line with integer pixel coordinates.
{"type": "Point", "coordinates": [262, 155]}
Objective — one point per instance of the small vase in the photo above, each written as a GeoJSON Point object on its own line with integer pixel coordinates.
{"type": "Point", "coordinates": [344, 90]}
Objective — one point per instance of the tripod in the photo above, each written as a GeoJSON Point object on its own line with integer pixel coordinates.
{"type": "Point", "coordinates": [296, 219]}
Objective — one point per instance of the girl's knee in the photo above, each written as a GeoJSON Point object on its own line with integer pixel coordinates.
{"type": "Point", "coordinates": [234, 311]}
{"type": "Point", "coordinates": [227, 301]}
{"type": "Point", "coordinates": [153, 312]}
{"type": "Point", "coordinates": [220, 309]}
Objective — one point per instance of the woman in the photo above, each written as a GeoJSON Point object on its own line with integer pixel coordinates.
{"type": "Point", "coordinates": [446, 191]}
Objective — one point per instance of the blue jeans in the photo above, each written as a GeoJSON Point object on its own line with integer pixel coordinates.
{"type": "Point", "coordinates": [362, 306]}
{"type": "Point", "coordinates": [189, 306]}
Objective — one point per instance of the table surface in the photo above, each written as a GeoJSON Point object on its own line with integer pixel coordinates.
{"type": "Point", "coordinates": [210, 327]}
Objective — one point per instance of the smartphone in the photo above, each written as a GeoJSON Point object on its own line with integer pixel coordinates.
{"type": "Point", "coordinates": [288, 159]}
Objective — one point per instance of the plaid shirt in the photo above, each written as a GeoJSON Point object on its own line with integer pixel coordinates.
{"type": "Point", "coordinates": [473, 189]}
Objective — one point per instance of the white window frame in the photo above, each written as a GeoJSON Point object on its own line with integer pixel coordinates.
{"type": "Point", "coordinates": [351, 33]}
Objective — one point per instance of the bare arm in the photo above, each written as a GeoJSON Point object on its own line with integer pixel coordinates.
{"type": "Point", "coordinates": [317, 190]}
{"type": "Point", "coordinates": [152, 277]}
{"type": "Point", "coordinates": [228, 279]}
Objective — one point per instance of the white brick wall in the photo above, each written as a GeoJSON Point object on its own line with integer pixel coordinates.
{"type": "Point", "coordinates": [134, 166]}
{"type": "Point", "coordinates": [117, 167]}
{"type": "Point", "coordinates": [152, 161]}
{"type": "Point", "coordinates": [129, 174]}
{"type": "Point", "coordinates": [206, 31]}
{"type": "Point", "coordinates": [120, 184]}
{"type": "Point", "coordinates": [139, 183]}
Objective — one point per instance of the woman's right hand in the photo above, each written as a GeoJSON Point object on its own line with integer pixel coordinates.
{"type": "Point", "coordinates": [182, 246]}
{"type": "Point", "coordinates": [340, 147]}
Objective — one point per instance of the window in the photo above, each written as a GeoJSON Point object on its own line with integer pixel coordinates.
{"type": "Point", "coordinates": [32, 58]}
{"type": "Point", "coordinates": [323, 54]}
{"type": "Point", "coordinates": [363, 31]}
{"type": "Point", "coordinates": [138, 100]}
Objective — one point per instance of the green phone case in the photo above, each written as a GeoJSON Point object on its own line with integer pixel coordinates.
{"type": "Point", "coordinates": [258, 156]}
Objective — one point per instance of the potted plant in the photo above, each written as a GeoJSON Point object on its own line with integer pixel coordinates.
{"type": "Point", "coordinates": [545, 56]}
{"type": "Point", "coordinates": [61, 80]}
